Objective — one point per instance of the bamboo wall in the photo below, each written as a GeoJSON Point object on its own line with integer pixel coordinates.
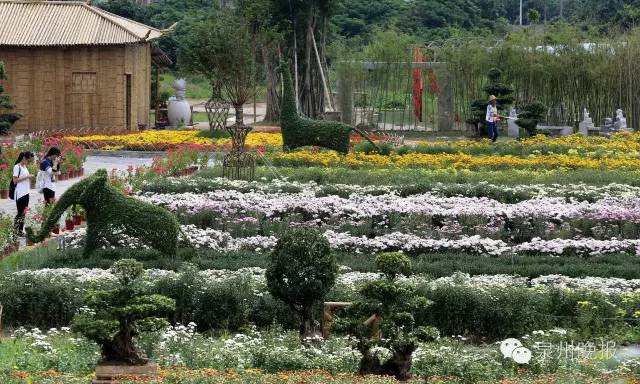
{"type": "Point", "coordinates": [77, 87]}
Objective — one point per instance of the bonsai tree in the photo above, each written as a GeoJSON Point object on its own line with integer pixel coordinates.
{"type": "Point", "coordinates": [385, 320]}
{"type": "Point", "coordinates": [7, 118]}
{"type": "Point", "coordinates": [530, 115]}
{"type": "Point", "coordinates": [113, 318]}
{"type": "Point", "coordinates": [301, 272]}
{"type": "Point", "coordinates": [503, 93]}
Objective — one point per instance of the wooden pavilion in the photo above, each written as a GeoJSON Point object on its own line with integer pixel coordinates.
{"type": "Point", "coordinates": [70, 66]}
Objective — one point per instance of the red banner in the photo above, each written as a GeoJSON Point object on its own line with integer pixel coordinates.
{"type": "Point", "coordinates": [418, 86]}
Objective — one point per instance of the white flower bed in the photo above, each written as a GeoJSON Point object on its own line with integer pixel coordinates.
{"type": "Point", "coordinates": [349, 280]}
{"type": "Point", "coordinates": [222, 241]}
{"type": "Point", "coordinates": [358, 207]}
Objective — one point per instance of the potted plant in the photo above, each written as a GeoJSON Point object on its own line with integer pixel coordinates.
{"type": "Point", "coordinates": [77, 214]}
{"type": "Point", "coordinates": [43, 213]}
{"type": "Point", "coordinates": [5, 179]}
{"type": "Point", "coordinates": [62, 172]}
{"type": "Point", "coordinates": [114, 317]}
{"type": "Point", "coordinates": [68, 221]}
{"type": "Point", "coordinates": [7, 238]}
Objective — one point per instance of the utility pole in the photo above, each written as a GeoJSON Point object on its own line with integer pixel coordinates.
{"type": "Point", "coordinates": [520, 12]}
{"type": "Point", "coordinates": [561, 9]}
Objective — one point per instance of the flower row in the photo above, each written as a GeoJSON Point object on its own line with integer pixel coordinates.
{"type": "Point", "coordinates": [162, 140]}
{"type": "Point", "coordinates": [347, 281]}
{"type": "Point", "coordinates": [358, 207]}
{"type": "Point", "coordinates": [222, 241]}
{"type": "Point", "coordinates": [453, 160]}
{"type": "Point", "coordinates": [506, 192]}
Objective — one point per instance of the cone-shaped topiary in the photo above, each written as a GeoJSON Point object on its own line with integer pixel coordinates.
{"type": "Point", "coordinates": [299, 131]}
{"type": "Point", "coordinates": [7, 118]}
{"type": "Point", "coordinates": [113, 318]}
{"type": "Point", "coordinates": [107, 210]}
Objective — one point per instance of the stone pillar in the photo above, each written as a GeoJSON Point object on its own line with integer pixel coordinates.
{"type": "Point", "coordinates": [512, 128]}
{"type": "Point", "coordinates": [445, 100]}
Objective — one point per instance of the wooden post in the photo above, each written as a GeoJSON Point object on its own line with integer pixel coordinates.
{"type": "Point", "coordinates": [1, 319]}
{"type": "Point", "coordinates": [157, 92]}
{"type": "Point", "coordinates": [324, 80]}
{"type": "Point", "coordinates": [329, 308]}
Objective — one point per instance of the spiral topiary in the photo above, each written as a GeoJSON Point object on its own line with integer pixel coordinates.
{"type": "Point", "coordinates": [107, 210]}
{"type": "Point", "coordinates": [299, 131]}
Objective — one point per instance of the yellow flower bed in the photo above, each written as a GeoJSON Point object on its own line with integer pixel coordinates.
{"type": "Point", "coordinates": [624, 141]}
{"type": "Point", "coordinates": [164, 139]}
{"type": "Point", "coordinates": [457, 161]}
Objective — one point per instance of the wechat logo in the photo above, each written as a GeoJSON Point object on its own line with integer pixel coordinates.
{"type": "Point", "coordinates": [512, 348]}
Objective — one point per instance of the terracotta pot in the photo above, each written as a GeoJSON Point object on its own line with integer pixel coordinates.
{"type": "Point", "coordinates": [68, 225]}
{"type": "Point", "coordinates": [77, 219]}
{"type": "Point", "coordinates": [4, 194]}
{"type": "Point", "coordinates": [62, 177]}
{"type": "Point", "coordinates": [56, 230]}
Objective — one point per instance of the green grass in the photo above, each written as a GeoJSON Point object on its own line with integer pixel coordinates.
{"type": "Point", "coordinates": [400, 177]}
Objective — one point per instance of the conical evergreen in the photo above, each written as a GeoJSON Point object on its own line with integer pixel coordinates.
{"type": "Point", "coordinates": [7, 118]}
{"type": "Point", "coordinates": [503, 93]}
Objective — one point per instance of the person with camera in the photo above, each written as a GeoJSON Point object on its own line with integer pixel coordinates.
{"type": "Point", "coordinates": [50, 168]}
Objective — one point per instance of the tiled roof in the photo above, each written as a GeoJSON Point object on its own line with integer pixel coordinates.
{"type": "Point", "coordinates": [65, 23]}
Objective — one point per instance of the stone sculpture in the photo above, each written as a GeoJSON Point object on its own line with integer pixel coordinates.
{"type": "Point", "coordinates": [620, 123]}
{"type": "Point", "coordinates": [586, 124]}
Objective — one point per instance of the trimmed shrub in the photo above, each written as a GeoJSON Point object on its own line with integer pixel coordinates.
{"type": "Point", "coordinates": [301, 272]}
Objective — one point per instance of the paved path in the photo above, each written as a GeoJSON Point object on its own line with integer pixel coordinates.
{"type": "Point", "coordinates": [92, 164]}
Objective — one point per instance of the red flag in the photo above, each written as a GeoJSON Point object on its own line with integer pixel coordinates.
{"type": "Point", "coordinates": [417, 84]}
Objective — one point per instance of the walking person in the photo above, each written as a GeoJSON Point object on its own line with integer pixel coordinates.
{"type": "Point", "coordinates": [492, 118]}
{"type": "Point", "coordinates": [50, 167]}
{"type": "Point", "coordinates": [21, 180]}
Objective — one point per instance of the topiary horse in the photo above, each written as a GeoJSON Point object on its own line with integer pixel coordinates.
{"type": "Point", "coordinates": [299, 131]}
{"type": "Point", "coordinates": [108, 209]}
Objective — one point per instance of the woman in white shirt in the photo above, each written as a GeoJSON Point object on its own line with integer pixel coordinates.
{"type": "Point", "coordinates": [21, 179]}
{"type": "Point", "coordinates": [50, 165]}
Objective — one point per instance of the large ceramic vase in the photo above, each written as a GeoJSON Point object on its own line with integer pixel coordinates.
{"type": "Point", "coordinates": [178, 108]}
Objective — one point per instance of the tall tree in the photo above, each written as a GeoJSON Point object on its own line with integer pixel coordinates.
{"type": "Point", "coordinates": [304, 27]}
{"type": "Point", "coordinates": [221, 47]}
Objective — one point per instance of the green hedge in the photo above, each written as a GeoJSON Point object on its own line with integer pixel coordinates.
{"type": "Point", "coordinates": [233, 304]}
{"type": "Point", "coordinates": [436, 264]}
